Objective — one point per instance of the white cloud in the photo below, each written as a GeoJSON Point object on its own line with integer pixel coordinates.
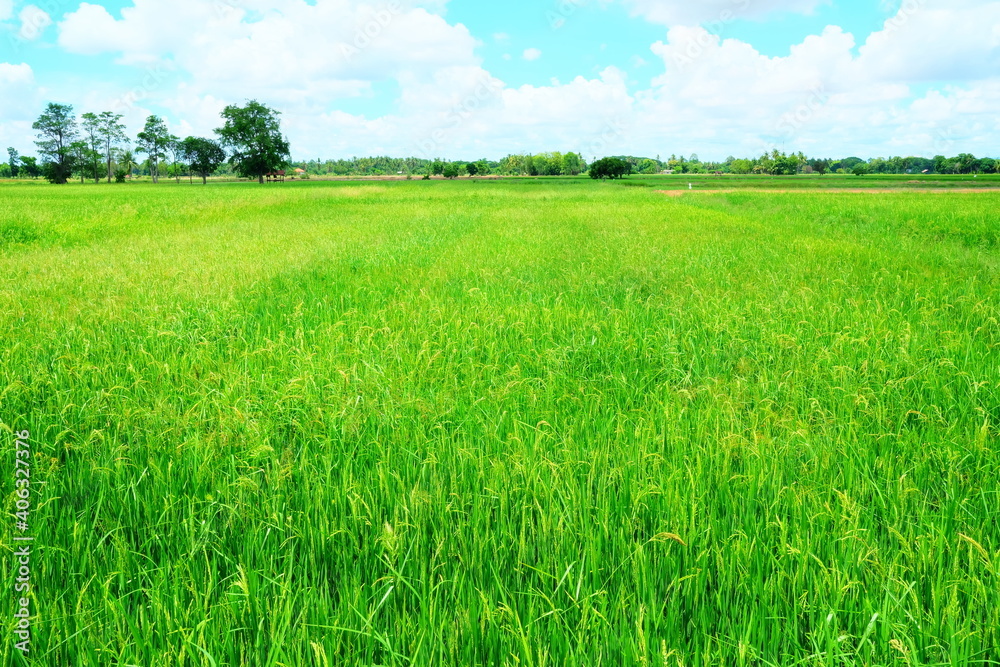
{"type": "Point", "coordinates": [686, 12]}
{"type": "Point", "coordinates": [22, 99]}
{"type": "Point", "coordinates": [934, 40]}
{"type": "Point", "coordinates": [822, 98]}
{"type": "Point", "coordinates": [34, 21]}
{"type": "Point", "coordinates": [701, 93]}
{"type": "Point", "coordinates": [6, 9]}
{"type": "Point", "coordinates": [14, 79]}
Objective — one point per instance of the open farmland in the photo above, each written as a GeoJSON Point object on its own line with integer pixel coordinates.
{"type": "Point", "coordinates": [536, 423]}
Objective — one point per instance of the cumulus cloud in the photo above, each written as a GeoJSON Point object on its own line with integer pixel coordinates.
{"type": "Point", "coordinates": [921, 42]}
{"type": "Point", "coordinates": [22, 98]}
{"type": "Point", "coordinates": [832, 94]}
{"type": "Point", "coordinates": [822, 97]}
{"type": "Point", "coordinates": [685, 12]}
{"type": "Point", "coordinates": [15, 79]}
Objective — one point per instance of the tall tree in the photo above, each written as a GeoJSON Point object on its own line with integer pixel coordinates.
{"type": "Point", "coordinates": [253, 134]}
{"type": "Point", "coordinates": [176, 155]}
{"type": "Point", "coordinates": [572, 164]}
{"type": "Point", "coordinates": [29, 165]}
{"type": "Point", "coordinates": [92, 134]}
{"type": "Point", "coordinates": [154, 141]}
{"type": "Point", "coordinates": [56, 129]}
{"type": "Point", "coordinates": [81, 158]}
{"type": "Point", "coordinates": [15, 161]}
{"type": "Point", "coordinates": [112, 133]}
{"type": "Point", "coordinates": [204, 156]}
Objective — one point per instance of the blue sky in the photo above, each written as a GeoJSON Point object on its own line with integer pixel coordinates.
{"type": "Point", "coordinates": [462, 79]}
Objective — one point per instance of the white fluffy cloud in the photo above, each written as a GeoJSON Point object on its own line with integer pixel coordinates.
{"type": "Point", "coordinates": [822, 98]}
{"type": "Point", "coordinates": [532, 54]}
{"type": "Point", "coordinates": [6, 9]}
{"type": "Point", "coordinates": [21, 100]}
{"type": "Point", "coordinates": [15, 80]}
{"type": "Point", "coordinates": [332, 48]}
{"type": "Point", "coordinates": [833, 93]}
{"type": "Point", "coordinates": [934, 41]}
{"type": "Point", "coordinates": [688, 12]}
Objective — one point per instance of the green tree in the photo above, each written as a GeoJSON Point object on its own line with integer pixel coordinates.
{"type": "Point", "coordinates": [610, 167]}
{"type": "Point", "coordinates": [472, 168]}
{"type": "Point", "coordinates": [512, 165]}
{"type": "Point", "coordinates": [785, 165]}
{"type": "Point", "coordinates": [14, 161]}
{"type": "Point", "coordinates": [572, 164]}
{"type": "Point", "coordinates": [29, 166]}
{"type": "Point", "coordinates": [860, 169]}
{"type": "Point", "coordinates": [91, 131]}
{"type": "Point", "coordinates": [253, 134]}
{"type": "Point", "coordinates": [741, 166]}
{"type": "Point", "coordinates": [820, 166]}
{"type": "Point", "coordinates": [648, 166]}
{"type": "Point", "coordinates": [128, 162]}
{"type": "Point", "coordinates": [154, 141]}
{"type": "Point", "coordinates": [966, 163]}
{"type": "Point", "coordinates": [112, 133]}
{"type": "Point", "coordinates": [174, 150]}
{"type": "Point", "coordinates": [437, 168]}
{"type": "Point", "coordinates": [451, 170]}
{"type": "Point", "coordinates": [82, 159]}
{"type": "Point", "coordinates": [204, 156]}
{"type": "Point", "coordinates": [56, 129]}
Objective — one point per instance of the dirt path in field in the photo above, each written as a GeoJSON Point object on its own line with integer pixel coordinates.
{"type": "Point", "coordinates": [678, 193]}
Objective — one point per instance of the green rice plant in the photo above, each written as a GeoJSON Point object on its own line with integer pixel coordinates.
{"type": "Point", "coordinates": [504, 423]}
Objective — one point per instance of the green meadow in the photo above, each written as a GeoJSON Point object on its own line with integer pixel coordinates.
{"type": "Point", "coordinates": [531, 423]}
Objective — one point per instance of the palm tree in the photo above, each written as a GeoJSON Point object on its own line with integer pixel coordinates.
{"type": "Point", "coordinates": [128, 161]}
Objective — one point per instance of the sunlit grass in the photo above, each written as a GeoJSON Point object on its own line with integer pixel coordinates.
{"type": "Point", "coordinates": [505, 424]}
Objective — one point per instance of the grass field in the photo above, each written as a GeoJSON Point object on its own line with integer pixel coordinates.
{"type": "Point", "coordinates": [536, 423]}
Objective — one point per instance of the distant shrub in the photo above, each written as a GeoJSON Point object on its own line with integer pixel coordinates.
{"type": "Point", "coordinates": [120, 175]}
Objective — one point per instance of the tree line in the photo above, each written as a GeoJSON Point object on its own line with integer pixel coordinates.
{"type": "Point", "coordinates": [779, 163]}
{"type": "Point", "coordinates": [250, 144]}
{"type": "Point", "coordinates": [96, 146]}
{"type": "Point", "coordinates": [542, 164]}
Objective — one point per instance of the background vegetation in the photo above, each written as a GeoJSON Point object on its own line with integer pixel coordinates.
{"type": "Point", "coordinates": [252, 134]}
